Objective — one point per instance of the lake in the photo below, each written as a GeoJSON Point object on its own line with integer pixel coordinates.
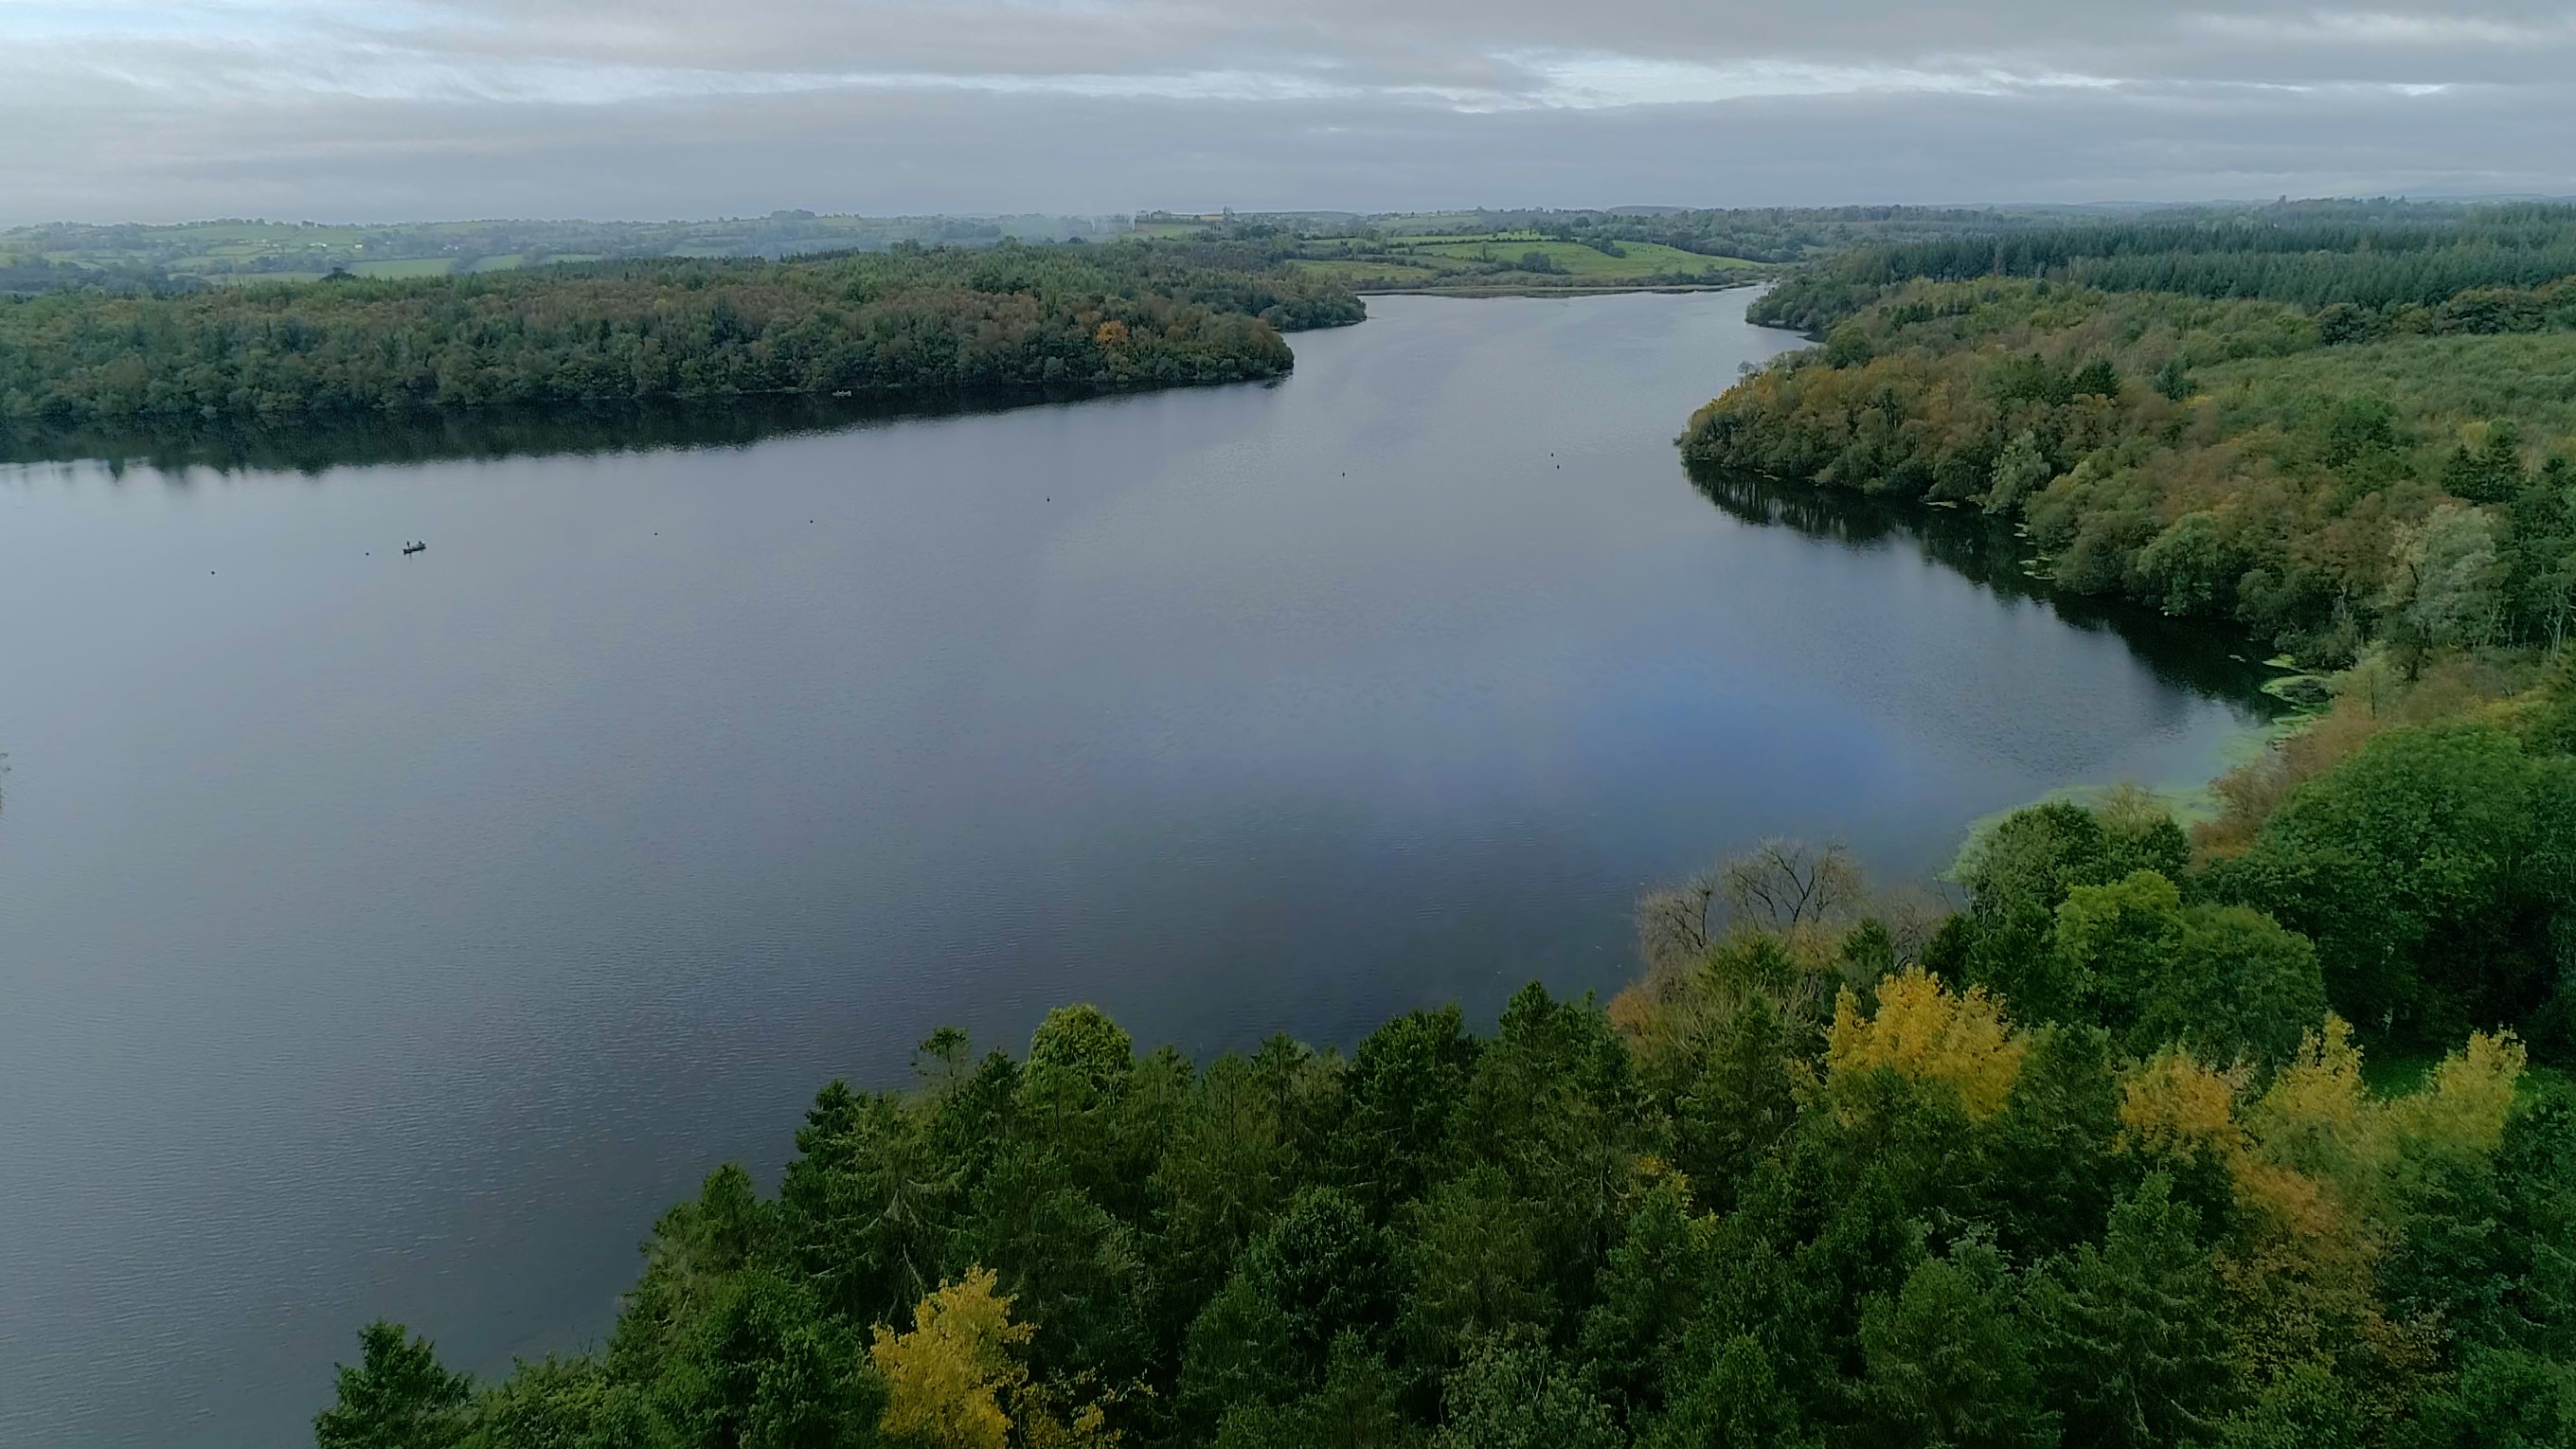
{"type": "Point", "coordinates": [387, 935]}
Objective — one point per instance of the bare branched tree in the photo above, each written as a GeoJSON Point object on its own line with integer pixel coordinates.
{"type": "Point", "coordinates": [1677, 925]}
{"type": "Point", "coordinates": [1913, 916]}
{"type": "Point", "coordinates": [1779, 886]}
{"type": "Point", "coordinates": [1789, 924]}
{"type": "Point", "coordinates": [1783, 884]}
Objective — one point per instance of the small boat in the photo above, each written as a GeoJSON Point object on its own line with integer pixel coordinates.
{"type": "Point", "coordinates": [412, 548]}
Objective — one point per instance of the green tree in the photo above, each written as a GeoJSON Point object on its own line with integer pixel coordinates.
{"type": "Point", "coordinates": [1241, 1354]}
{"type": "Point", "coordinates": [1947, 1364]}
{"type": "Point", "coordinates": [398, 1396]}
{"type": "Point", "coordinates": [1847, 347]}
{"type": "Point", "coordinates": [1406, 1081]}
{"type": "Point", "coordinates": [2131, 1336]}
{"type": "Point", "coordinates": [1553, 1104]}
{"type": "Point", "coordinates": [2050, 1150]}
{"type": "Point", "coordinates": [2447, 587]}
{"type": "Point", "coordinates": [1324, 1266]}
{"type": "Point", "coordinates": [2307, 1408]}
{"type": "Point", "coordinates": [2506, 1399]}
{"type": "Point", "coordinates": [2489, 472]}
{"type": "Point", "coordinates": [1655, 1288]}
{"type": "Point", "coordinates": [2022, 469]}
{"type": "Point", "coordinates": [1252, 1129]}
{"type": "Point", "coordinates": [2226, 981]}
{"type": "Point", "coordinates": [561, 1404]}
{"type": "Point", "coordinates": [2540, 555]}
{"type": "Point", "coordinates": [1475, 1267]}
{"type": "Point", "coordinates": [1739, 1401]}
{"type": "Point", "coordinates": [1513, 1393]}
{"type": "Point", "coordinates": [1740, 1106]}
{"type": "Point", "coordinates": [1358, 1407]}
{"type": "Point", "coordinates": [871, 1202]}
{"type": "Point", "coordinates": [2192, 567]}
{"type": "Point", "coordinates": [2016, 876]}
{"type": "Point", "coordinates": [2426, 868]}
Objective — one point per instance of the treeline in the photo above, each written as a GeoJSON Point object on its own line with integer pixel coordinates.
{"type": "Point", "coordinates": [905, 323]}
{"type": "Point", "coordinates": [1781, 234]}
{"type": "Point", "coordinates": [2221, 459]}
{"type": "Point", "coordinates": [309, 443]}
{"type": "Point", "coordinates": [178, 256]}
{"type": "Point", "coordinates": [2391, 262]}
{"type": "Point", "coordinates": [1762, 234]}
{"type": "Point", "coordinates": [22, 274]}
{"type": "Point", "coordinates": [2094, 1161]}
{"type": "Point", "coordinates": [1878, 245]}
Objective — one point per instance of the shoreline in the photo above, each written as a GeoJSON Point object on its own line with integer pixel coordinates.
{"type": "Point", "coordinates": [1603, 290]}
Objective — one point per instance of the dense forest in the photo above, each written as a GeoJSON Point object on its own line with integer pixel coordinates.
{"type": "Point", "coordinates": [2388, 260]}
{"type": "Point", "coordinates": [909, 322]}
{"type": "Point", "coordinates": [2244, 1141]}
{"type": "Point", "coordinates": [21, 273]}
{"type": "Point", "coordinates": [1760, 234]}
{"type": "Point", "coordinates": [1787, 234]}
{"type": "Point", "coordinates": [2252, 1133]}
{"type": "Point", "coordinates": [2330, 447]}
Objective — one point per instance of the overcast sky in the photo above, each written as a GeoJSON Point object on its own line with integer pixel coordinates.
{"type": "Point", "coordinates": [164, 110]}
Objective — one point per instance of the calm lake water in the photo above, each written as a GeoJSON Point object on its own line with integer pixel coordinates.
{"type": "Point", "coordinates": [386, 935]}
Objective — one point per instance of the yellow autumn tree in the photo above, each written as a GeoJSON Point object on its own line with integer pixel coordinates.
{"type": "Point", "coordinates": [948, 1381]}
{"type": "Point", "coordinates": [2175, 1106]}
{"type": "Point", "coordinates": [956, 1381]}
{"type": "Point", "coordinates": [2299, 1263]}
{"type": "Point", "coordinates": [2315, 1164]}
{"type": "Point", "coordinates": [2462, 1106]}
{"type": "Point", "coordinates": [2318, 1118]}
{"type": "Point", "coordinates": [1052, 1419]}
{"type": "Point", "coordinates": [1925, 1033]}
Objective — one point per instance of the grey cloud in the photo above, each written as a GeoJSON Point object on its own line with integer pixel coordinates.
{"type": "Point", "coordinates": [152, 110]}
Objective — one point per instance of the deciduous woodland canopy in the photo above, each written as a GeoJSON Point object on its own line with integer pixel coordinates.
{"type": "Point", "coordinates": [2331, 433]}
{"type": "Point", "coordinates": [908, 322]}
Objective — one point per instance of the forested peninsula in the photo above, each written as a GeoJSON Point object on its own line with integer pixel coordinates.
{"type": "Point", "coordinates": [908, 323]}
{"type": "Point", "coordinates": [2332, 432]}
{"type": "Point", "coordinates": [2253, 1132]}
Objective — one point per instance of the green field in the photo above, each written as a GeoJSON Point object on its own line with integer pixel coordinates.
{"type": "Point", "coordinates": [1432, 223]}
{"type": "Point", "coordinates": [396, 269]}
{"type": "Point", "coordinates": [1465, 238]}
{"type": "Point", "coordinates": [1443, 250]}
{"type": "Point", "coordinates": [1365, 272]}
{"type": "Point", "coordinates": [1450, 262]}
{"type": "Point", "coordinates": [407, 267]}
{"type": "Point", "coordinates": [1643, 259]}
